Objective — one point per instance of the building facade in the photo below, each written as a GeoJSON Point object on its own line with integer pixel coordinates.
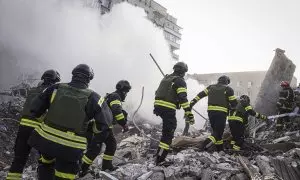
{"type": "Point", "coordinates": [155, 13]}
{"type": "Point", "coordinates": [248, 83]}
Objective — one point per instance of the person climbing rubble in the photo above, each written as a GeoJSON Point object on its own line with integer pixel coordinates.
{"type": "Point", "coordinates": [60, 138]}
{"type": "Point", "coordinates": [114, 101]}
{"type": "Point", "coordinates": [220, 100]}
{"type": "Point", "coordinates": [238, 121]}
{"type": "Point", "coordinates": [171, 95]}
{"type": "Point", "coordinates": [285, 104]}
{"type": "Point", "coordinates": [27, 124]}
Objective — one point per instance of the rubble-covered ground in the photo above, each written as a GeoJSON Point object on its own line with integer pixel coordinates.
{"type": "Point", "coordinates": [268, 155]}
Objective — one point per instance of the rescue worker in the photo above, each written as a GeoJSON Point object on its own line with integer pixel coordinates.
{"type": "Point", "coordinates": [27, 124]}
{"type": "Point", "coordinates": [114, 101]}
{"type": "Point", "coordinates": [285, 104]}
{"type": "Point", "coordinates": [171, 95]}
{"type": "Point", "coordinates": [220, 100]}
{"type": "Point", "coordinates": [238, 121]}
{"type": "Point", "coordinates": [61, 137]}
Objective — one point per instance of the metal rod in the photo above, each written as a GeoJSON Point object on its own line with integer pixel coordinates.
{"type": "Point", "coordinates": [157, 65]}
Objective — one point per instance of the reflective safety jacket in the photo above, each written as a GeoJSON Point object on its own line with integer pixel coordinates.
{"type": "Point", "coordinates": [70, 107]}
{"type": "Point", "coordinates": [26, 117]}
{"type": "Point", "coordinates": [113, 100]}
{"type": "Point", "coordinates": [286, 99]}
{"type": "Point", "coordinates": [242, 113]}
{"type": "Point", "coordinates": [220, 97]}
{"type": "Point", "coordinates": [172, 94]}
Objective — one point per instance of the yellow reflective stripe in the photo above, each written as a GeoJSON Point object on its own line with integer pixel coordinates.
{"type": "Point", "coordinates": [14, 176]}
{"type": "Point", "coordinates": [188, 112]}
{"type": "Point", "coordinates": [231, 98]}
{"type": "Point", "coordinates": [64, 175]}
{"type": "Point", "coordinates": [217, 108]}
{"type": "Point", "coordinates": [181, 90]}
{"type": "Point", "coordinates": [185, 105]}
{"type": "Point", "coordinates": [87, 160]}
{"type": "Point", "coordinates": [237, 148]}
{"type": "Point", "coordinates": [53, 95]}
{"type": "Point", "coordinates": [219, 142]}
{"type": "Point", "coordinates": [46, 161]}
{"type": "Point", "coordinates": [248, 108]}
{"type": "Point", "coordinates": [111, 126]}
{"type": "Point", "coordinates": [164, 146]}
{"type": "Point", "coordinates": [213, 139]}
{"type": "Point", "coordinates": [66, 135]}
{"type": "Point", "coordinates": [232, 142]}
{"type": "Point", "coordinates": [235, 118]}
{"type": "Point", "coordinates": [119, 116]}
{"type": "Point", "coordinates": [197, 98]}
{"type": "Point", "coordinates": [108, 157]}
{"type": "Point", "coordinates": [257, 114]}
{"type": "Point", "coordinates": [29, 122]}
{"type": "Point", "coordinates": [206, 91]}
{"type": "Point", "coordinates": [100, 102]}
{"type": "Point", "coordinates": [115, 102]}
{"type": "Point", "coordinates": [165, 104]}
{"type": "Point", "coordinates": [59, 140]}
{"type": "Point", "coordinates": [95, 129]}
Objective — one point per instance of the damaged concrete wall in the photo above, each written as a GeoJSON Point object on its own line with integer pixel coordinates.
{"type": "Point", "coordinates": [281, 69]}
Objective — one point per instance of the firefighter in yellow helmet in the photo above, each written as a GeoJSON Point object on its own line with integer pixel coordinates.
{"type": "Point", "coordinates": [220, 99]}
{"type": "Point", "coordinates": [170, 95]}
{"type": "Point", "coordinates": [61, 138]}
{"type": "Point", "coordinates": [27, 124]}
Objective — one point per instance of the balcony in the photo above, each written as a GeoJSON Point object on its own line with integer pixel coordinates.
{"type": "Point", "coordinates": [172, 31]}
{"type": "Point", "coordinates": [173, 45]}
{"type": "Point", "coordinates": [175, 56]}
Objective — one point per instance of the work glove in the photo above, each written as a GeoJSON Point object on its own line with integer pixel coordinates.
{"type": "Point", "coordinates": [192, 103]}
{"type": "Point", "coordinates": [189, 118]}
{"type": "Point", "coordinates": [125, 128]}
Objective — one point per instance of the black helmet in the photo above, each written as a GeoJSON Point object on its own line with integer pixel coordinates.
{"type": "Point", "coordinates": [51, 75]}
{"type": "Point", "coordinates": [224, 80]}
{"type": "Point", "coordinates": [83, 70]}
{"type": "Point", "coordinates": [180, 67]}
{"type": "Point", "coordinates": [245, 100]}
{"type": "Point", "coordinates": [123, 85]}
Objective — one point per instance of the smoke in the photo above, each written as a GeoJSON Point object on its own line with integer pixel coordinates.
{"type": "Point", "coordinates": [38, 35]}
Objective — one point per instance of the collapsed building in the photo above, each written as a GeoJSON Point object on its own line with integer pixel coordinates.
{"type": "Point", "coordinates": [267, 154]}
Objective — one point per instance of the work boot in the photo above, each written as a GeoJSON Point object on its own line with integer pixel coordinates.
{"type": "Point", "coordinates": [107, 165]}
{"type": "Point", "coordinates": [84, 170]}
{"type": "Point", "coordinates": [161, 156]}
{"type": "Point", "coordinates": [206, 144]}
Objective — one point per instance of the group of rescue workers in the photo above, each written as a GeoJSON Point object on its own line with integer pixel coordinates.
{"type": "Point", "coordinates": [67, 122]}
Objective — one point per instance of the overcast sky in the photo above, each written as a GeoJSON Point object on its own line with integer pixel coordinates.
{"type": "Point", "coordinates": [235, 35]}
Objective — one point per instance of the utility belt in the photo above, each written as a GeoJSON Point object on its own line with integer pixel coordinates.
{"type": "Point", "coordinates": [65, 138]}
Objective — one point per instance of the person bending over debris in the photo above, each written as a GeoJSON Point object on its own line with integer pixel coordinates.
{"type": "Point", "coordinates": [27, 124]}
{"type": "Point", "coordinates": [61, 137]}
{"type": "Point", "coordinates": [170, 95]}
{"type": "Point", "coordinates": [238, 120]}
{"type": "Point", "coordinates": [220, 99]}
{"type": "Point", "coordinates": [114, 101]}
{"type": "Point", "coordinates": [285, 104]}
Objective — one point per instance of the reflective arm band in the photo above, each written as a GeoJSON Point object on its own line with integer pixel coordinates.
{"type": "Point", "coordinates": [120, 116]}
{"type": "Point", "coordinates": [185, 105]}
{"type": "Point", "coordinates": [219, 142]}
{"type": "Point", "coordinates": [257, 115]}
{"type": "Point", "coordinates": [115, 102]}
{"type": "Point", "coordinates": [197, 98]}
{"type": "Point", "coordinates": [232, 98]}
{"type": "Point", "coordinates": [181, 90]}
{"type": "Point", "coordinates": [53, 95]}
{"type": "Point", "coordinates": [248, 108]}
{"type": "Point", "coordinates": [187, 113]}
{"type": "Point", "coordinates": [206, 91]}
{"type": "Point", "coordinates": [95, 129]}
{"type": "Point", "coordinates": [100, 102]}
